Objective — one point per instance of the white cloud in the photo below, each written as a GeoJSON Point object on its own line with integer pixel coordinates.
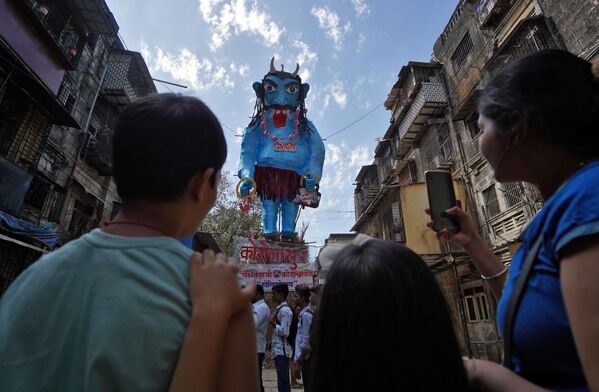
{"type": "Point", "coordinates": [240, 69]}
{"type": "Point", "coordinates": [329, 21]}
{"type": "Point", "coordinates": [342, 164]}
{"type": "Point", "coordinates": [361, 7]}
{"type": "Point", "coordinates": [185, 67]}
{"type": "Point", "coordinates": [225, 18]}
{"type": "Point", "coordinates": [338, 92]}
{"type": "Point", "coordinates": [305, 58]}
{"type": "Point", "coordinates": [361, 40]}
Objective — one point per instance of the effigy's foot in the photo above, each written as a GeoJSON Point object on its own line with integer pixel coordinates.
{"type": "Point", "coordinates": [289, 236]}
{"type": "Point", "coordinates": [271, 236]}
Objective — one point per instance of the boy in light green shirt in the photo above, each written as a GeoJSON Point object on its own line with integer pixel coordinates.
{"type": "Point", "coordinates": [110, 311]}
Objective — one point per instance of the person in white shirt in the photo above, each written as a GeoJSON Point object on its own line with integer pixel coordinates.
{"type": "Point", "coordinates": [281, 349]}
{"type": "Point", "coordinates": [261, 317]}
{"type": "Point", "coordinates": [301, 368]}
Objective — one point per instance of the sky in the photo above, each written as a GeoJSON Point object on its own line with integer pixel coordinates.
{"type": "Point", "coordinates": [349, 51]}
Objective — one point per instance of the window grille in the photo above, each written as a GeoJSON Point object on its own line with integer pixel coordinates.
{"type": "Point", "coordinates": [445, 144]}
{"type": "Point", "coordinates": [512, 193]}
{"type": "Point", "coordinates": [413, 170]}
{"type": "Point", "coordinates": [476, 304]}
{"type": "Point", "coordinates": [461, 53]}
{"type": "Point", "coordinates": [491, 201]}
{"type": "Point", "coordinates": [472, 125]}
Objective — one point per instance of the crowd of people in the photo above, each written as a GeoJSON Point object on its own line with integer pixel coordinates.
{"type": "Point", "coordinates": [128, 307]}
{"type": "Point", "coordinates": [291, 327]}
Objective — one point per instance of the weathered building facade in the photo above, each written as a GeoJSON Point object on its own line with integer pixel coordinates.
{"type": "Point", "coordinates": [390, 198]}
{"type": "Point", "coordinates": [59, 73]}
{"type": "Point", "coordinates": [434, 127]}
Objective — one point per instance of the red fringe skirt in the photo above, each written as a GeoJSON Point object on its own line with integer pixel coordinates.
{"type": "Point", "coordinates": [276, 184]}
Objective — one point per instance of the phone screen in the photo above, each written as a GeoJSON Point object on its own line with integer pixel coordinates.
{"type": "Point", "coordinates": [441, 197]}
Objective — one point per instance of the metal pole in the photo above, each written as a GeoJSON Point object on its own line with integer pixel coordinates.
{"type": "Point", "coordinates": [171, 83]}
{"type": "Point", "coordinates": [461, 306]}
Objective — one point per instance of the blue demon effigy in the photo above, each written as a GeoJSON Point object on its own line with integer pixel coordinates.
{"type": "Point", "coordinates": [282, 154]}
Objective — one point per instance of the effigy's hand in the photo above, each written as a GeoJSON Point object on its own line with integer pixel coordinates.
{"type": "Point", "coordinates": [246, 187]}
{"type": "Point", "coordinates": [310, 183]}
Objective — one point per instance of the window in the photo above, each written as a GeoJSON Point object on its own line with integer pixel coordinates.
{"type": "Point", "coordinates": [472, 125]}
{"type": "Point", "coordinates": [70, 103]}
{"type": "Point", "coordinates": [491, 202]}
{"type": "Point", "coordinates": [477, 308]}
{"type": "Point", "coordinates": [413, 170]}
{"type": "Point", "coordinates": [36, 195]}
{"type": "Point", "coordinates": [512, 193]}
{"type": "Point", "coordinates": [462, 51]}
{"type": "Point", "coordinates": [445, 143]}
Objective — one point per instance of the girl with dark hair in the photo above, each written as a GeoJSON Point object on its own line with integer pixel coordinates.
{"type": "Point", "coordinates": [539, 119]}
{"type": "Point", "coordinates": [383, 324]}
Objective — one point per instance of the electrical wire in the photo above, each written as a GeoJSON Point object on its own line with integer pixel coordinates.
{"type": "Point", "coordinates": [354, 122]}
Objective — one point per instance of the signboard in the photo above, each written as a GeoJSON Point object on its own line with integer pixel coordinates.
{"type": "Point", "coordinates": [273, 263]}
{"type": "Point", "coordinates": [270, 274]}
{"type": "Point", "coordinates": [251, 251]}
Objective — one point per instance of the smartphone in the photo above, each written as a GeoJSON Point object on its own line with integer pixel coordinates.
{"type": "Point", "coordinates": [441, 197]}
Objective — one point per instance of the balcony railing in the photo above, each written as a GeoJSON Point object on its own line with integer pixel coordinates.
{"type": "Point", "coordinates": [127, 78]}
{"type": "Point", "coordinates": [507, 227]}
{"type": "Point", "coordinates": [60, 28]}
{"type": "Point", "coordinates": [430, 99]}
{"type": "Point", "coordinates": [531, 36]}
{"type": "Point", "coordinates": [491, 11]}
{"type": "Point", "coordinates": [97, 151]}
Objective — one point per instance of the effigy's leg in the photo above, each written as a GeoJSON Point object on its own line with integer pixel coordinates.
{"type": "Point", "coordinates": [270, 210]}
{"type": "Point", "coordinates": [289, 215]}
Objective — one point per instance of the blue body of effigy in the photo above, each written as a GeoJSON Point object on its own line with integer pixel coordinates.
{"type": "Point", "coordinates": [282, 152]}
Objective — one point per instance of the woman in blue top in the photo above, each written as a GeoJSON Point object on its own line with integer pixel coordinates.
{"type": "Point", "coordinates": [540, 123]}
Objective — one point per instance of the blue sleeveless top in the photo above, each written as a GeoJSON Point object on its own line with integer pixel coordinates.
{"type": "Point", "coordinates": [543, 345]}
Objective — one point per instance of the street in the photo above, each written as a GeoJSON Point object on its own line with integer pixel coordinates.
{"type": "Point", "coordinates": [269, 377]}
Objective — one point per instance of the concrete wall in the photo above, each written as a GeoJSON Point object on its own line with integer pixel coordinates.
{"type": "Point", "coordinates": [577, 21]}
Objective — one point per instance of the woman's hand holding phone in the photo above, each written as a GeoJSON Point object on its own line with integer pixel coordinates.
{"type": "Point", "coordinates": [468, 232]}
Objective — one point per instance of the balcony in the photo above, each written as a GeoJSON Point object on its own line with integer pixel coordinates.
{"type": "Point", "coordinates": [508, 226]}
{"type": "Point", "coordinates": [59, 26]}
{"type": "Point", "coordinates": [531, 35]}
{"type": "Point", "coordinates": [429, 102]}
{"type": "Point", "coordinates": [490, 12]}
{"type": "Point", "coordinates": [127, 78]}
{"type": "Point", "coordinates": [98, 151]}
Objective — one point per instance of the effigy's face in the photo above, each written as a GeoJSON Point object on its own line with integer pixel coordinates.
{"type": "Point", "coordinates": [281, 93]}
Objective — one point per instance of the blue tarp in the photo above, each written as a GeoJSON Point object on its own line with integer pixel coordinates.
{"type": "Point", "coordinates": [17, 226]}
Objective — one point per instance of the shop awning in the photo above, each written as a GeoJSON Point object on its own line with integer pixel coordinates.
{"type": "Point", "coordinates": [21, 228]}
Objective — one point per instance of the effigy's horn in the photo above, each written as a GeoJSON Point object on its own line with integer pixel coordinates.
{"type": "Point", "coordinates": [272, 65]}
{"type": "Point", "coordinates": [294, 74]}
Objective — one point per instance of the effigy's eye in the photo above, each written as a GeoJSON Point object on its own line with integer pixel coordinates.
{"type": "Point", "coordinates": [269, 88]}
{"type": "Point", "coordinates": [292, 89]}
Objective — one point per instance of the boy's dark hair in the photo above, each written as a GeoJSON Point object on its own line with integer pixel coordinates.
{"type": "Point", "coordinates": [553, 93]}
{"type": "Point", "coordinates": [281, 288]}
{"type": "Point", "coordinates": [160, 142]}
{"type": "Point", "coordinates": [304, 292]}
{"type": "Point", "coordinates": [316, 289]}
{"type": "Point", "coordinates": [260, 290]}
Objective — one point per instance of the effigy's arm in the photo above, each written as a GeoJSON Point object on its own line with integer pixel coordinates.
{"type": "Point", "coordinates": [249, 148]}
{"type": "Point", "coordinates": [317, 150]}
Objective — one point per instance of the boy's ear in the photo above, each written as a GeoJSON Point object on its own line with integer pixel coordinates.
{"type": "Point", "coordinates": [199, 183]}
